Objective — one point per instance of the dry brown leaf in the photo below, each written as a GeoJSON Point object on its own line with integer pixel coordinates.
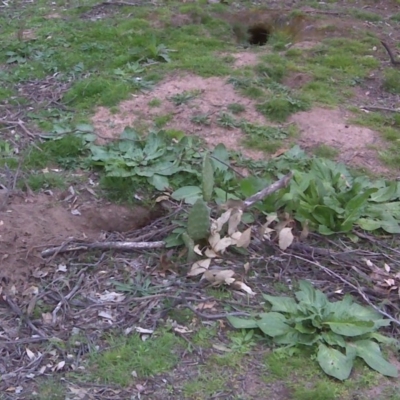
{"type": "Point", "coordinates": [305, 232]}
{"type": "Point", "coordinates": [210, 253]}
{"type": "Point", "coordinates": [223, 244]}
{"type": "Point", "coordinates": [30, 354]}
{"type": "Point", "coordinates": [218, 224]}
{"type": "Point", "coordinates": [199, 267]}
{"type": "Point", "coordinates": [279, 152]}
{"type": "Point", "coordinates": [206, 305]}
{"type": "Point", "coordinates": [234, 221]}
{"type": "Point", "coordinates": [246, 267]}
{"type": "Point", "coordinates": [218, 277]}
{"type": "Point", "coordinates": [245, 239]}
{"type": "Point", "coordinates": [214, 239]}
{"type": "Point", "coordinates": [197, 250]}
{"type": "Point", "coordinates": [162, 198]}
{"type": "Point", "coordinates": [242, 286]}
{"type": "Point", "coordinates": [285, 238]}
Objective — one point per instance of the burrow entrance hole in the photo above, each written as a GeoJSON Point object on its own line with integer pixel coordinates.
{"type": "Point", "coordinates": [258, 34]}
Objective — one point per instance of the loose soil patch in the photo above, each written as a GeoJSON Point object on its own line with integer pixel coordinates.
{"type": "Point", "coordinates": [31, 223]}
{"type": "Point", "coordinates": [215, 96]}
{"type": "Point", "coordinates": [357, 145]}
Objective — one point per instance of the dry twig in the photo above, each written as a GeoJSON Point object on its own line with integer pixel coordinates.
{"type": "Point", "coordinates": [262, 194]}
{"type": "Point", "coordinates": [124, 246]}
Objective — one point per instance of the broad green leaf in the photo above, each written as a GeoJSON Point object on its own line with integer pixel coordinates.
{"type": "Point", "coordinates": [385, 194]}
{"type": "Point", "coordinates": [155, 146]}
{"type": "Point", "coordinates": [367, 314]}
{"type": "Point", "coordinates": [368, 224]}
{"type": "Point", "coordinates": [310, 296]}
{"type": "Point", "coordinates": [161, 168]}
{"type": "Point", "coordinates": [340, 309]}
{"type": "Point", "coordinates": [383, 339]}
{"type": "Point", "coordinates": [220, 154]}
{"type": "Point", "coordinates": [324, 230]}
{"type": "Point", "coordinates": [251, 185]}
{"type": "Point", "coordinates": [303, 328]}
{"type": "Point", "coordinates": [324, 216]}
{"type": "Point", "coordinates": [357, 202]}
{"type": "Point", "coordinates": [241, 323]}
{"type": "Point", "coordinates": [379, 211]}
{"type": "Point", "coordinates": [159, 182]}
{"type": "Point", "coordinates": [282, 304]}
{"type": "Point", "coordinates": [84, 128]}
{"type": "Point", "coordinates": [333, 203]}
{"type": "Point", "coordinates": [333, 339]}
{"type": "Point", "coordinates": [293, 337]}
{"type": "Point", "coordinates": [207, 178]}
{"type": "Point", "coordinates": [334, 363]}
{"type": "Point", "coordinates": [130, 134]}
{"type": "Point", "coordinates": [198, 225]}
{"type": "Point", "coordinates": [274, 324]}
{"type": "Point", "coordinates": [370, 352]}
{"type": "Point", "coordinates": [350, 327]}
{"type": "Point", "coordinates": [355, 207]}
{"type": "Point", "coordinates": [189, 194]}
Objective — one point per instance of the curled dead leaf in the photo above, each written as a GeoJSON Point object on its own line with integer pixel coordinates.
{"type": "Point", "coordinates": [234, 221]}
{"type": "Point", "coordinates": [218, 277]}
{"type": "Point", "coordinates": [199, 267]}
{"type": "Point", "coordinates": [217, 225]}
{"type": "Point", "coordinates": [244, 239]}
{"type": "Point", "coordinates": [242, 286]}
{"type": "Point", "coordinates": [285, 238]}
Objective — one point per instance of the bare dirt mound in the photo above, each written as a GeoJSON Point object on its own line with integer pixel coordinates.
{"type": "Point", "coordinates": [214, 97]}
{"type": "Point", "coordinates": [357, 145]}
{"type": "Point", "coordinates": [30, 224]}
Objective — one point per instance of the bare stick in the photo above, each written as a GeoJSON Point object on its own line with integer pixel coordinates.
{"type": "Point", "coordinates": [20, 124]}
{"type": "Point", "coordinates": [392, 59]}
{"type": "Point", "coordinates": [377, 108]}
{"type": "Point", "coordinates": [67, 297]}
{"type": "Point", "coordinates": [117, 3]}
{"type": "Point", "coordinates": [262, 194]}
{"type": "Point", "coordinates": [24, 318]}
{"type": "Point", "coordinates": [124, 246]}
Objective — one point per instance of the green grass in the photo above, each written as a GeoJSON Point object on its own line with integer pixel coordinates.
{"type": "Point", "coordinates": [154, 103]}
{"type": "Point", "coordinates": [49, 389]}
{"type": "Point", "coordinates": [325, 151]}
{"type": "Point", "coordinates": [391, 82]}
{"type": "Point", "coordinates": [131, 354]}
{"type": "Point", "coordinates": [366, 15]}
{"type": "Point", "coordinates": [300, 373]}
{"type": "Point", "coordinates": [66, 152]}
{"type": "Point", "coordinates": [161, 120]}
{"type": "Point", "coordinates": [266, 138]}
{"type": "Point", "coordinates": [37, 181]}
{"type": "Point", "coordinates": [236, 108]}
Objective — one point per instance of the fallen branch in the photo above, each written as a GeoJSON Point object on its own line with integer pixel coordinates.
{"type": "Point", "coordinates": [392, 59]}
{"type": "Point", "coordinates": [377, 108]}
{"type": "Point", "coordinates": [69, 296]}
{"type": "Point", "coordinates": [20, 124]}
{"type": "Point", "coordinates": [117, 3]}
{"type": "Point", "coordinates": [262, 194]}
{"type": "Point", "coordinates": [24, 318]}
{"type": "Point", "coordinates": [124, 246]}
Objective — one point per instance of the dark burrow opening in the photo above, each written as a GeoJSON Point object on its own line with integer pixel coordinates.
{"type": "Point", "coordinates": [258, 34]}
